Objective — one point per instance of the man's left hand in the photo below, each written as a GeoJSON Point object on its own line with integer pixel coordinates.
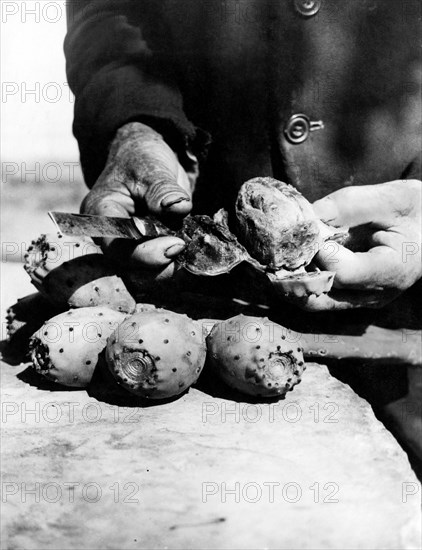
{"type": "Point", "coordinates": [391, 214]}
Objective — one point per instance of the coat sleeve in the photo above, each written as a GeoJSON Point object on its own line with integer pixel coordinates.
{"type": "Point", "coordinates": [119, 66]}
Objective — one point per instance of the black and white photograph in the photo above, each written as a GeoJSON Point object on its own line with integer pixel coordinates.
{"type": "Point", "coordinates": [211, 294]}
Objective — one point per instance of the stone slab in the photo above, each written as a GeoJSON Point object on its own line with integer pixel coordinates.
{"type": "Point", "coordinates": [316, 470]}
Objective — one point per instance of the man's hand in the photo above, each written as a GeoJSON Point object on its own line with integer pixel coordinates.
{"type": "Point", "coordinates": [391, 213]}
{"type": "Point", "coordinates": [142, 175]}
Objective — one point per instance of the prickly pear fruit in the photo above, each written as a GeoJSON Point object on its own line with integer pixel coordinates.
{"type": "Point", "coordinates": [51, 250]}
{"type": "Point", "coordinates": [29, 312]}
{"type": "Point", "coordinates": [89, 281]}
{"type": "Point", "coordinates": [277, 224]}
{"type": "Point", "coordinates": [253, 355]}
{"type": "Point", "coordinates": [22, 320]}
{"type": "Point", "coordinates": [280, 229]}
{"type": "Point", "coordinates": [66, 348]}
{"type": "Point", "coordinates": [157, 354]}
{"type": "Point", "coordinates": [142, 308]}
{"type": "Point", "coordinates": [83, 280]}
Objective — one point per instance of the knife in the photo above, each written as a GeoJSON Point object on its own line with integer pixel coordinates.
{"type": "Point", "coordinates": [104, 226]}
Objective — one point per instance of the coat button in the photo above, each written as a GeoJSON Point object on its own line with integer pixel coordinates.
{"type": "Point", "coordinates": [307, 8]}
{"type": "Point", "coordinates": [297, 128]}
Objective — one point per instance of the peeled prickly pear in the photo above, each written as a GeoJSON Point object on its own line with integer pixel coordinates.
{"type": "Point", "coordinates": [277, 224]}
{"type": "Point", "coordinates": [280, 229]}
{"type": "Point", "coordinates": [157, 354]}
{"type": "Point", "coordinates": [253, 355]}
{"type": "Point", "coordinates": [66, 348]}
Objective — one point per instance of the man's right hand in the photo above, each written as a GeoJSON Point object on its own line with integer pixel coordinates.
{"type": "Point", "coordinates": [142, 175]}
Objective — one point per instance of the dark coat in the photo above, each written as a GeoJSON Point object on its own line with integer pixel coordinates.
{"type": "Point", "coordinates": [238, 70]}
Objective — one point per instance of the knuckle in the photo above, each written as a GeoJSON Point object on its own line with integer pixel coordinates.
{"type": "Point", "coordinates": [93, 204]}
{"type": "Point", "coordinates": [159, 189]}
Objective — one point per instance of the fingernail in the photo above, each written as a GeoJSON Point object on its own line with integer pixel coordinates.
{"type": "Point", "coordinates": [173, 198]}
{"type": "Point", "coordinates": [174, 250]}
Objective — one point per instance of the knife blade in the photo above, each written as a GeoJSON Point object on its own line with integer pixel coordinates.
{"type": "Point", "coordinates": [104, 226]}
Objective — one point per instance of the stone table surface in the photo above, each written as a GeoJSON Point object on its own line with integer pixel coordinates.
{"type": "Point", "coordinates": [316, 470]}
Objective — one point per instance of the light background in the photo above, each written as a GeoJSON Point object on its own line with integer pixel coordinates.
{"type": "Point", "coordinates": [39, 155]}
{"type": "Point", "coordinates": [35, 128]}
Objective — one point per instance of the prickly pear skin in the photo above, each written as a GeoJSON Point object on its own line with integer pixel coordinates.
{"type": "Point", "coordinates": [300, 286]}
{"type": "Point", "coordinates": [87, 282]}
{"type": "Point", "coordinates": [66, 348]}
{"type": "Point", "coordinates": [253, 355]}
{"type": "Point", "coordinates": [73, 272]}
{"type": "Point", "coordinates": [51, 250]}
{"type": "Point", "coordinates": [157, 354]}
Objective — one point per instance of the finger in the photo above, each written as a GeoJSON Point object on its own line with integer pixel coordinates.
{"type": "Point", "coordinates": [337, 300]}
{"type": "Point", "coordinates": [158, 252]}
{"type": "Point", "coordinates": [167, 195]}
{"type": "Point", "coordinates": [358, 205]}
{"type": "Point", "coordinates": [379, 268]}
{"type": "Point", "coordinates": [104, 201]}
{"type": "Point", "coordinates": [151, 254]}
{"type": "Point", "coordinates": [154, 253]}
{"type": "Point", "coordinates": [100, 201]}
{"type": "Point", "coordinates": [161, 181]}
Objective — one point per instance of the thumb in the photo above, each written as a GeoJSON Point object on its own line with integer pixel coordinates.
{"type": "Point", "coordinates": [358, 205]}
{"type": "Point", "coordinates": [167, 189]}
{"type": "Point", "coordinates": [155, 176]}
